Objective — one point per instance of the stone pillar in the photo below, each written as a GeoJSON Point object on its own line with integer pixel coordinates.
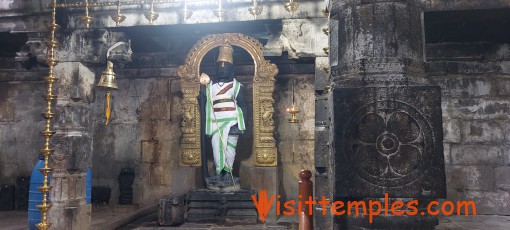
{"type": "Point", "coordinates": [73, 139]}
{"type": "Point", "coordinates": [73, 147]}
{"type": "Point", "coordinates": [387, 124]}
{"type": "Point", "coordinates": [266, 179]}
{"type": "Point", "coordinates": [322, 149]}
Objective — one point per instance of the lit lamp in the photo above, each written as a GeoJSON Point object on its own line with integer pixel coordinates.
{"type": "Point", "coordinates": [108, 81]}
{"type": "Point", "coordinates": [292, 110]}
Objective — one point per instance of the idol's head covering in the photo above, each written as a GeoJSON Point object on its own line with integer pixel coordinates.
{"type": "Point", "coordinates": [225, 55]}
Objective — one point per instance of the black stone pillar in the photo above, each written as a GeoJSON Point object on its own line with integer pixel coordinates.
{"type": "Point", "coordinates": [386, 123]}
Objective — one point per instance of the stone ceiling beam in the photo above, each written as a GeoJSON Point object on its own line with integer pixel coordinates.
{"type": "Point", "coordinates": [442, 5]}
{"type": "Point", "coordinates": [445, 5]}
{"type": "Point", "coordinates": [31, 15]}
{"type": "Point", "coordinates": [172, 16]}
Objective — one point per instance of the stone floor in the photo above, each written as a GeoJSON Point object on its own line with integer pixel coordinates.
{"type": "Point", "coordinates": [480, 222]}
{"type": "Point", "coordinates": [104, 218]}
{"type": "Point", "coordinates": [149, 223]}
{"type": "Point", "coordinates": [145, 219]}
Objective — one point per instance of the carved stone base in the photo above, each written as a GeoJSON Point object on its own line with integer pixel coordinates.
{"type": "Point", "coordinates": [221, 207]}
{"type": "Point", "coordinates": [225, 184]}
{"type": "Point", "coordinates": [421, 221]}
{"type": "Point", "coordinates": [388, 140]}
{"type": "Point", "coordinates": [64, 216]}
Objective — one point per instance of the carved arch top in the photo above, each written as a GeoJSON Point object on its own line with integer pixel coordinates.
{"type": "Point", "coordinates": [263, 87]}
{"type": "Point", "coordinates": [263, 68]}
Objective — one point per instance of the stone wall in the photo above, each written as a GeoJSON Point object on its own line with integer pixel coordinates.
{"type": "Point", "coordinates": [20, 122]}
{"type": "Point", "coordinates": [144, 132]}
{"type": "Point", "coordinates": [295, 141]}
{"type": "Point", "coordinates": [474, 79]}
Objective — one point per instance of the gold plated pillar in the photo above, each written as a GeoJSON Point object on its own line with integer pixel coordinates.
{"type": "Point", "coordinates": [48, 115]}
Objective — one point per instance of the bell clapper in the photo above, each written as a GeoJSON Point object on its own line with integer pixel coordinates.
{"type": "Point", "coordinates": [108, 109]}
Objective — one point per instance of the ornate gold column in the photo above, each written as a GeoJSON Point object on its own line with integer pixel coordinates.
{"type": "Point", "coordinates": [48, 115]}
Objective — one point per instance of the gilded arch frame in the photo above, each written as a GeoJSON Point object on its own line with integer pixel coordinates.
{"type": "Point", "coordinates": [264, 145]}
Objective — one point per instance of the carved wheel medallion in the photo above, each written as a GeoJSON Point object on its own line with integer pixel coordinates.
{"type": "Point", "coordinates": [392, 146]}
{"type": "Point", "coordinates": [263, 87]}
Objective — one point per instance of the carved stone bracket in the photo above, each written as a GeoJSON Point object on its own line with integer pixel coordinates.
{"type": "Point", "coordinates": [263, 87]}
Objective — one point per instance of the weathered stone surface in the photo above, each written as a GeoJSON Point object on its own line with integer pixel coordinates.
{"type": "Point", "coordinates": [149, 151]}
{"type": "Point", "coordinates": [463, 5]}
{"type": "Point", "coordinates": [489, 202]}
{"type": "Point", "coordinates": [73, 117]}
{"type": "Point", "coordinates": [462, 52]}
{"type": "Point", "coordinates": [7, 111]}
{"type": "Point", "coordinates": [304, 152]}
{"type": "Point", "coordinates": [76, 83]}
{"type": "Point", "coordinates": [91, 45]}
{"type": "Point", "coordinates": [20, 128]}
{"type": "Point", "coordinates": [502, 176]}
{"type": "Point", "coordinates": [451, 130]}
{"type": "Point", "coordinates": [322, 114]}
{"type": "Point", "coordinates": [372, 126]}
{"type": "Point", "coordinates": [469, 86]}
{"type": "Point", "coordinates": [73, 150]}
{"type": "Point", "coordinates": [322, 221]}
{"type": "Point", "coordinates": [224, 208]}
{"type": "Point", "coordinates": [171, 210]}
{"type": "Point", "coordinates": [474, 91]}
{"type": "Point", "coordinates": [447, 154]}
{"type": "Point", "coordinates": [470, 177]}
{"type": "Point", "coordinates": [180, 175]}
{"type": "Point", "coordinates": [300, 38]}
{"type": "Point", "coordinates": [68, 189]}
{"type": "Point", "coordinates": [370, 31]}
{"type": "Point", "coordinates": [267, 180]}
{"type": "Point", "coordinates": [323, 178]}
{"type": "Point", "coordinates": [296, 140]}
{"type": "Point", "coordinates": [77, 217]}
{"type": "Point", "coordinates": [159, 175]}
{"type": "Point", "coordinates": [418, 222]}
{"type": "Point", "coordinates": [387, 129]}
{"type": "Point", "coordinates": [322, 147]}
{"type": "Point", "coordinates": [477, 108]}
{"type": "Point", "coordinates": [286, 152]}
{"type": "Point", "coordinates": [321, 73]}
{"type": "Point", "coordinates": [478, 155]}
{"type": "Point", "coordinates": [483, 131]}
{"type": "Point", "coordinates": [466, 68]}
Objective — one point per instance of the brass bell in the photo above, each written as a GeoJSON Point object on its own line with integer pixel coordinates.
{"type": "Point", "coordinates": [107, 79]}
